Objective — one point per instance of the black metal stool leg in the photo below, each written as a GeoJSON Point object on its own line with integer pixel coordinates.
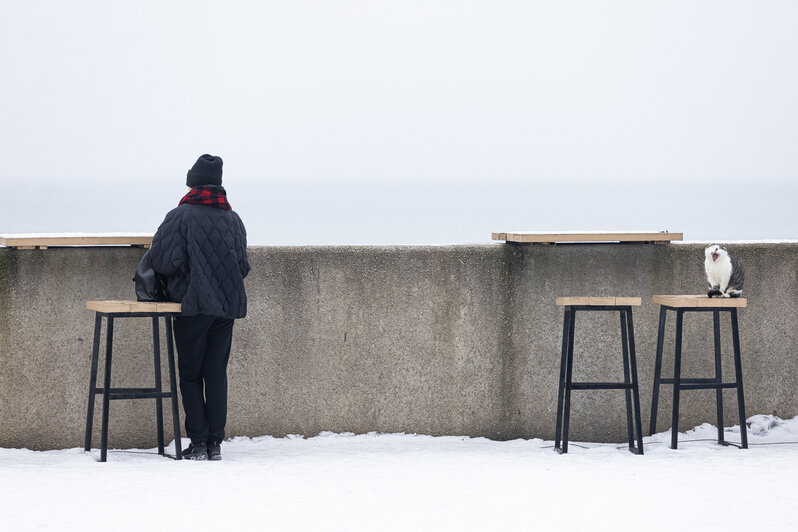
{"type": "Point", "coordinates": [657, 372]}
{"type": "Point", "coordinates": [677, 376]}
{"type": "Point", "coordinates": [561, 389]}
{"type": "Point", "coordinates": [156, 351]}
{"type": "Point", "coordinates": [635, 386]}
{"type": "Point", "coordinates": [95, 355]}
{"type": "Point", "coordinates": [109, 333]}
{"type": "Point", "coordinates": [173, 386]}
{"type": "Point", "coordinates": [627, 380]}
{"type": "Point", "coordinates": [569, 364]}
{"type": "Point", "coordinates": [738, 369]}
{"type": "Point", "coordinates": [718, 373]}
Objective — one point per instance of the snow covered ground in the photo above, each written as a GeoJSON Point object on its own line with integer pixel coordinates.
{"type": "Point", "coordinates": [411, 482]}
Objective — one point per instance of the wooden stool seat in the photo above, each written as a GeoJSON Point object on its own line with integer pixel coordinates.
{"type": "Point", "coordinates": [694, 301]}
{"type": "Point", "coordinates": [112, 310]}
{"type": "Point", "coordinates": [680, 304]}
{"type": "Point", "coordinates": [133, 306]}
{"type": "Point", "coordinates": [589, 301]}
{"type": "Point", "coordinates": [622, 305]}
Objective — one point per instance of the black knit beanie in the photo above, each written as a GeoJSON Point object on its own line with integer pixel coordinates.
{"type": "Point", "coordinates": [206, 171]}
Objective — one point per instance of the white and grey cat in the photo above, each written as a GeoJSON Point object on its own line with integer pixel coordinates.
{"type": "Point", "coordinates": [725, 275]}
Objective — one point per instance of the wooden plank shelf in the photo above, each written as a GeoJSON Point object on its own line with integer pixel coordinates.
{"type": "Point", "coordinates": [45, 240]}
{"type": "Point", "coordinates": [552, 238]}
{"type": "Point", "coordinates": [699, 301]}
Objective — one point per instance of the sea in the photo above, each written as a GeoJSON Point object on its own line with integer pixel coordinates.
{"type": "Point", "coordinates": [311, 212]}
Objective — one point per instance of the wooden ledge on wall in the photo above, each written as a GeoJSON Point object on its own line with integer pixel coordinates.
{"type": "Point", "coordinates": [572, 237]}
{"type": "Point", "coordinates": [45, 240]}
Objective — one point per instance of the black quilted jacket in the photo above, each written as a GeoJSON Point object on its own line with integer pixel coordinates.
{"type": "Point", "coordinates": [202, 251]}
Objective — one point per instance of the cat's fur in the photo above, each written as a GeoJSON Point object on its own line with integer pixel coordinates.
{"type": "Point", "coordinates": [725, 275]}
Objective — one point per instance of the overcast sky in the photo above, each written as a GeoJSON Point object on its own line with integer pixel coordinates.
{"type": "Point", "coordinates": [397, 90]}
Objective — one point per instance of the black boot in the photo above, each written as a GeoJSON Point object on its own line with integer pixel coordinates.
{"type": "Point", "coordinates": [196, 451]}
{"type": "Point", "coordinates": [214, 450]}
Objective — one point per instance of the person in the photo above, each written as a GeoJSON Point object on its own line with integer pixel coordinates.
{"type": "Point", "coordinates": [200, 250]}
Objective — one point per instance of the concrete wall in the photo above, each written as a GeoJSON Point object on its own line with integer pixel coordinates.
{"type": "Point", "coordinates": [436, 340]}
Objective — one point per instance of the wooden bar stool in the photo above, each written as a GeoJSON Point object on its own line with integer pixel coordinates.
{"type": "Point", "coordinates": [623, 305]}
{"type": "Point", "coordinates": [699, 303]}
{"type": "Point", "coordinates": [132, 309]}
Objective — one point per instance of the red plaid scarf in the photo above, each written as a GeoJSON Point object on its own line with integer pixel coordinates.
{"type": "Point", "coordinates": [207, 195]}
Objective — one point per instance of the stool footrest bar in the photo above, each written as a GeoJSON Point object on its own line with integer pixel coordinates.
{"type": "Point", "coordinates": [689, 381]}
{"type": "Point", "coordinates": [707, 386]}
{"type": "Point", "coordinates": [699, 384]}
{"type": "Point", "coordinates": [135, 393]}
{"type": "Point", "coordinates": [127, 390]}
{"type": "Point", "coordinates": [139, 395]}
{"type": "Point", "coordinates": [151, 395]}
{"type": "Point", "coordinates": [600, 386]}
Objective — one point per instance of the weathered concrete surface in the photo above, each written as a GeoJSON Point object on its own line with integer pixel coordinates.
{"type": "Point", "coordinates": [435, 340]}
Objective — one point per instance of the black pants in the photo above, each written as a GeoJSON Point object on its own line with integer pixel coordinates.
{"type": "Point", "coordinates": [203, 349]}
